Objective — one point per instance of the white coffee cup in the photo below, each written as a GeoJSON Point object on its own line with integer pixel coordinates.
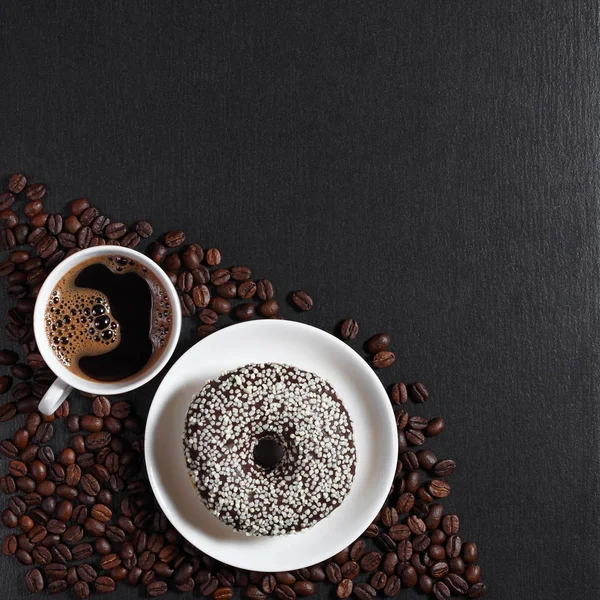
{"type": "Point", "coordinates": [66, 380]}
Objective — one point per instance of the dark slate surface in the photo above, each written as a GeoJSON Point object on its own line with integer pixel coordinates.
{"type": "Point", "coordinates": [428, 168]}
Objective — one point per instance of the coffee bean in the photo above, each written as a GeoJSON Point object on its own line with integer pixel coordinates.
{"type": "Point", "coordinates": [201, 296]}
{"type": "Point", "coordinates": [34, 581]}
{"type": "Point", "coordinates": [156, 588]}
{"type": "Point", "coordinates": [7, 239]}
{"type": "Point", "coordinates": [383, 359]}
{"type": "Point", "coordinates": [470, 552]}
{"type": "Point", "coordinates": [213, 257]}
{"type": "Point", "coordinates": [172, 262]}
{"type": "Point", "coordinates": [115, 231]}
{"type": "Point", "coordinates": [84, 237]}
{"type": "Point", "coordinates": [95, 441]}
{"type": "Point", "coordinates": [302, 300]}
{"type": "Point", "coordinates": [392, 586]}
{"type": "Point", "coordinates": [389, 516]}
{"type": "Point", "coordinates": [220, 277]}
{"type": "Point", "coordinates": [144, 229]}
{"type": "Point", "coordinates": [38, 470]}
{"type": "Point", "coordinates": [349, 329]}
{"type": "Point", "coordinates": [477, 591]}
{"type": "Point", "coordinates": [158, 253]}
{"type": "Point", "coordinates": [16, 468]}
{"type": "Point", "coordinates": [79, 206]}
{"type": "Point", "coordinates": [363, 591]}
{"type": "Point", "coordinates": [201, 275]}
{"type": "Point", "coordinates": [55, 571]}
{"type": "Point", "coordinates": [246, 289]}
{"type": "Point", "coordinates": [9, 545]}
{"type": "Point", "coordinates": [104, 584]}
{"type": "Point", "coordinates": [399, 532]}
{"type": "Point", "coordinates": [17, 183]}
{"type": "Point", "coordinates": [304, 588]}
{"type": "Point", "coordinates": [473, 573]}
{"type": "Point", "coordinates": [220, 305]}
{"type": "Point", "coordinates": [441, 591]}
{"type": "Point", "coordinates": [81, 590]}
{"type": "Point", "coordinates": [244, 311]}
{"type": "Point", "coordinates": [378, 580]}
{"type": "Point", "coordinates": [377, 343]}
{"type": "Point", "coordinates": [54, 224]}
{"type": "Point", "coordinates": [8, 218]}
{"type": "Point", "coordinates": [227, 290]}
{"type": "Point", "coordinates": [174, 238]}
{"type": "Point", "coordinates": [333, 573]}
{"type": "Point", "coordinates": [444, 468]}
{"type": "Point", "coordinates": [32, 208]}
{"type": "Point", "coordinates": [10, 450]}
{"type": "Point", "coordinates": [344, 589]}
{"type": "Point", "coordinates": [7, 484]}
{"type": "Point", "coordinates": [269, 308]}
{"type": "Point", "coordinates": [350, 569]}
{"type": "Point", "coordinates": [185, 281]}
{"type": "Point", "coordinates": [6, 200]}
{"type": "Point", "coordinates": [370, 561]}
{"type": "Point", "coordinates": [101, 406]}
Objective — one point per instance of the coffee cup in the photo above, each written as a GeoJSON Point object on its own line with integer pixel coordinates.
{"type": "Point", "coordinates": [55, 350]}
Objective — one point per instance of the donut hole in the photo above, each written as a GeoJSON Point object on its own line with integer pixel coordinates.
{"type": "Point", "coordinates": [268, 453]}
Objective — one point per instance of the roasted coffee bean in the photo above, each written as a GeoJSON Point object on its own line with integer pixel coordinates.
{"type": "Point", "coordinates": [54, 224]}
{"type": "Point", "coordinates": [469, 552]}
{"type": "Point", "coordinates": [185, 281]}
{"type": "Point", "coordinates": [201, 296]}
{"type": "Point", "coordinates": [109, 561]}
{"type": "Point", "coordinates": [17, 183]}
{"type": "Point", "coordinates": [405, 502]}
{"type": "Point", "coordinates": [41, 555]}
{"type": "Point", "coordinates": [8, 358]}
{"type": "Point", "coordinates": [57, 587]}
{"type": "Point", "coordinates": [453, 546]}
{"type": "Point", "coordinates": [399, 394]}
{"type": "Point", "coordinates": [35, 499]}
{"type": "Point", "coordinates": [9, 545]}
{"type": "Point", "coordinates": [67, 457]}
{"type": "Point", "coordinates": [451, 524]}
{"type": "Point", "coordinates": [55, 526]}
{"type": "Point", "coordinates": [6, 268]}
{"type": "Point", "coordinates": [370, 561]}
{"type": "Point", "coordinates": [456, 565]}
{"type": "Point", "coordinates": [10, 450]}
{"type": "Point", "coordinates": [436, 551]}
{"type": "Point", "coordinates": [444, 468]}
{"type": "Point", "coordinates": [349, 329]}
{"type": "Point", "coordinates": [8, 218]}
{"type": "Point", "coordinates": [416, 525]}
{"type": "Point", "coordinates": [344, 589]}
{"type": "Point", "coordinates": [35, 191]}
{"type": "Point", "coordinates": [246, 289]}
{"type": "Point", "coordinates": [227, 290]}
{"type": "Point", "coordinates": [90, 484]}
{"type": "Point", "coordinates": [378, 580]}
{"type": "Point", "coordinates": [16, 467]}
{"type": "Point", "coordinates": [208, 316]}
{"type": "Point", "coordinates": [304, 588]}
{"type": "Point", "coordinates": [81, 590]}
{"type": "Point", "coordinates": [102, 546]}
{"type": "Point", "coordinates": [213, 257]}
{"type": "Point", "coordinates": [6, 200]}
{"type": "Point", "coordinates": [421, 542]}
{"type": "Point", "coordinates": [20, 232]}
{"type": "Point", "coordinates": [115, 534]}
{"type": "Point", "coordinates": [17, 505]}
{"type": "Point", "coordinates": [5, 383]}
{"type": "Point", "coordinates": [389, 516]}
{"type": "Point", "coordinates": [34, 581]}
{"type": "Point", "coordinates": [363, 591]}
{"type": "Point", "coordinates": [302, 300]}
{"type": "Point", "coordinates": [143, 229]}
{"type": "Point", "coordinates": [456, 584]}
{"type": "Point", "coordinates": [156, 588]}
{"type": "Point", "coordinates": [412, 481]}
{"type": "Point", "coordinates": [37, 470]}
{"type": "Point", "coordinates": [104, 584]}
{"type": "Point", "coordinates": [222, 593]}
{"type": "Point", "coordinates": [441, 591]}
{"type": "Point", "coordinates": [55, 571]}
{"type": "Point", "coordinates": [377, 343]}
{"type": "Point", "coordinates": [427, 459]}
{"type": "Point", "coordinates": [147, 577]}
{"type": "Point", "coordinates": [220, 305]}
{"type": "Point", "coordinates": [473, 574]}
{"type": "Point", "coordinates": [158, 253]}
{"type": "Point", "coordinates": [350, 570]}
{"type": "Point", "coordinates": [101, 406]}
{"type": "Point", "coordinates": [244, 312]}
{"type": "Point", "coordinates": [399, 532]}
{"type": "Point", "coordinates": [115, 231]}
{"type": "Point", "coordinates": [62, 554]}
{"type": "Point", "coordinates": [7, 239]}
{"type": "Point", "coordinates": [7, 411]}
{"type": "Point", "coordinates": [438, 537]}
{"type": "Point", "coordinates": [332, 572]}
{"type": "Point", "coordinates": [172, 264]}
{"type": "Point", "coordinates": [383, 359]}
{"type": "Point", "coordinates": [32, 208]}
{"type": "Point", "coordinates": [392, 587]}
{"type": "Point", "coordinates": [418, 393]}
{"type": "Point", "coordinates": [221, 277]}
{"type": "Point", "coordinates": [174, 238]}
{"type": "Point", "coordinates": [7, 484]}
{"type": "Point", "coordinates": [24, 556]}
{"type": "Point", "coordinates": [25, 484]}
{"type": "Point", "coordinates": [357, 550]}
{"type": "Point", "coordinates": [439, 570]}
{"type": "Point", "coordinates": [264, 289]}
{"type": "Point", "coordinates": [390, 562]}
{"type": "Point", "coordinates": [96, 441]}
{"type": "Point", "coordinates": [404, 551]}
{"type": "Point", "coordinates": [84, 237]}
{"type": "Point", "coordinates": [269, 308]}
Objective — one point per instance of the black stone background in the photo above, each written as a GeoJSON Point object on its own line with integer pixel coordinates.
{"type": "Point", "coordinates": [429, 168]}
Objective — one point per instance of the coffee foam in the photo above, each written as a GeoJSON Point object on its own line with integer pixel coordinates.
{"type": "Point", "coordinates": [79, 322]}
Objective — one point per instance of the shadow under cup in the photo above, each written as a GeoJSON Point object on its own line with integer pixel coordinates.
{"type": "Point", "coordinates": [69, 378]}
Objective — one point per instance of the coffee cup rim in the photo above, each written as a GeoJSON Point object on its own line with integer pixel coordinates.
{"type": "Point", "coordinates": [87, 385]}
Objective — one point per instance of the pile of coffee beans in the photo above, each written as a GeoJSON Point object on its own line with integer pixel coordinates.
{"type": "Point", "coordinates": [83, 517]}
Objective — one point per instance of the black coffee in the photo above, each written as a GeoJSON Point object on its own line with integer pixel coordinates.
{"type": "Point", "coordinates": [108, 319]}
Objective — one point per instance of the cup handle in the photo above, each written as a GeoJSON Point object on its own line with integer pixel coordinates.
{"type": "Point", "coordinates": [54, 397]}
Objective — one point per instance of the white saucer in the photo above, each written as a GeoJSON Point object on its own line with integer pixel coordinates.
{"type": "Point", "coordinates": [307, 348]}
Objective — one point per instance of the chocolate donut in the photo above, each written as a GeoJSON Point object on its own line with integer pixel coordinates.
{"type": "Point", "coordinates": [269, 448]}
